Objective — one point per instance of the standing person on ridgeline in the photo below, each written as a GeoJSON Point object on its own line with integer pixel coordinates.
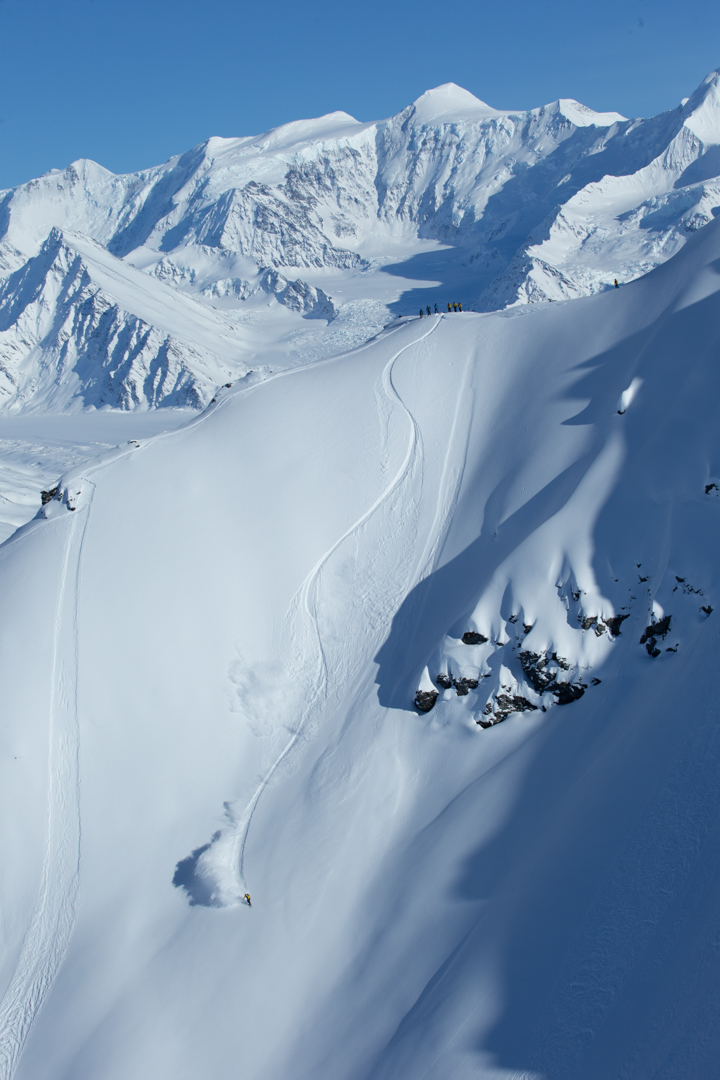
{"type": "Point", "coordinates": [449, 308]}
{"type": "Point", "coordinates": [454, 306]}
{"type": "Point", "coordinates": [436, 310]}
{"type": "Point", "coordinates": [421, 313]}
{"type": "Point", "coordinates": [428, 309]}
{"type": "Point", "coordinates": [459, 307]}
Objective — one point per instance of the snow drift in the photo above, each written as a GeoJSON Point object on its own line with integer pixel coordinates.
{"type": "Point", "coordinates": [212, 645]}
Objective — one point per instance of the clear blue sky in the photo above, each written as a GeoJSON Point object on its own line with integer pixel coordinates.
{"type": "Point", "coordinates": [131, 82]}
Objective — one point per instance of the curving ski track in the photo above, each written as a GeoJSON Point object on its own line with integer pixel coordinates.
{"type": "Point", "coordinates": [48, 935]}
{"type": "Point", "coordinates": [306, 602]}
{"type": "Point", "coordinates": [47, 938]}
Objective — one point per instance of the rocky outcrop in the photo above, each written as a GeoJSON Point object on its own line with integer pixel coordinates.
{"type": "Point", "coordinates": [425, 699]}
{"type": "Point", "coordinates": [309, 301]}
{"type": "Point", "coordinates": [652, 632]}
{"type": "Point", "coordinates": [502, 707]}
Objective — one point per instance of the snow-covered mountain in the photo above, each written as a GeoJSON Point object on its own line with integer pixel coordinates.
{"type": "Point", "coordinates": [417, 647]}
{"type": "Point", "coordinates": [336, 219]}
{"type": "Point", "coordinates": [77, 325]}
{"type": "Point", "coordinates": [404, 628]}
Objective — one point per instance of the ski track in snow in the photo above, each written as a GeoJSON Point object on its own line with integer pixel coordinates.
{"type": "Point", "coordinates": [48, 935]}
{"type": "Point", "coordinates": [305, 602]}
{"type": "Point", "coordinates": [47, 938]}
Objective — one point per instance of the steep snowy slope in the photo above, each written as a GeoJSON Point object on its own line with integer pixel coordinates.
{"type": "Point", "coordinates": [211, 643]}
{"type": "Point", "coordinates": [332, 218]}
{"type": "Point", "coordinates": [77, 323]}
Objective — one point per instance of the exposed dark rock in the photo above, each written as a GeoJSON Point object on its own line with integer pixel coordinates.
{"type": "Point", "coordinates": [425, 699]}
{"type": "Point", "coordinates": [595, 682]}
{"type": "Point", "coordinates": [566, 692]}
{"type": "Point", "coordinates": [444, 680]}
{"type": "Point", "coordinates": [526, 628]}
{"type": "Point", "coordinates": [534, 665]}
{"type": "Point", "coordinates": [642, 578]}
{"type": "Point", "coordinates": [510, 703]}
{"type": "Point", "coordinates": [680, 579]}
{"type": "Point", "coordinates": [471, 637]}
{"type": "Point", "coordinates": [707, 609]}
{"type": "Point", "coordinates": [464, 685]}
{"type": "Point", "coordinates": [561, 662]}
{"type": "Point", "coordinates": [46, 496]}
{"type": "Point", "coordinates": [709, 488]}
{"type": "Point", "coordinates": [656, 630]}
{"type": "Point", "coordinates": [614, 623]}
{"type": "Point", "coordinates": [513, 619]}
{"type": "Point", "coordinates": [592, 622]}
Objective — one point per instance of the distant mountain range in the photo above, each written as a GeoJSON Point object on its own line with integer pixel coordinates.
{"type": "Point", "coordinates": [155, 287]}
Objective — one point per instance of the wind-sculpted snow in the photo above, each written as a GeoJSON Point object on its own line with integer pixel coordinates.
{"type": "Point", "coordinates": [513, 514]}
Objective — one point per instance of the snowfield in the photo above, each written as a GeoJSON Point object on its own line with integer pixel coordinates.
{"type": "Point", "coordinates": [212, 640]}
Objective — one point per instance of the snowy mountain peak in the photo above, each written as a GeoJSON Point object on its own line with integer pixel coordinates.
{"type": "Point", "coordinates": [450, 102]}
{"type": "Point", "coordinates": [335, 219]}
{"type": "Point", "coordinates": [581, 116]}
{"type": "Point", "coordinates": [88, 170]}
{"type": "Point", "coordinates": [333, 125]}
{"type": "Point", "coordinates": [701, 112]}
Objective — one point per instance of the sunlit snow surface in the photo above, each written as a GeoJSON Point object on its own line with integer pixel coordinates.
{"type": "Point", "coordinates": [266, 252]}
{"type": "Point", "coordinates": [210, 644]}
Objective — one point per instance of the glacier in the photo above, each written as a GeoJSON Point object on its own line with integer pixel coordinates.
{"type": "Point", "coordinates": [404, 626]}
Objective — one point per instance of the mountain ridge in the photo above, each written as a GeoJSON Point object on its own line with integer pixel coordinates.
{"type": "Point", "coordinates": [449, 199]}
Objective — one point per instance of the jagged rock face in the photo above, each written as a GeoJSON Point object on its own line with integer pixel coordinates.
{"type": "Point", "coordinates": [63, 337]}
{"type": "Point", "coordinates": [298, 295]}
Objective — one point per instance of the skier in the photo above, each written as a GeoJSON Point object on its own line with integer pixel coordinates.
{"type": "Point", "coordinates": [247, 897]}
{"type": "Point", "coordinates": [436, 310]}
{"type": "Point", "coordinates": [421, 313]}
{"type": "Point", "coordinates": [616, 284]}
{"type": "Point", "coordinates": [459, 307]}
{"type": "Point", "coordinates": [449, 307]}
{"type": "Point", "coordinates": [454, 306]}
{"type": "Point", "coordinates": [428, 309]}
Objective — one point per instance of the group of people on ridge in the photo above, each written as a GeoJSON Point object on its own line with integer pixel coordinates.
{"type": "Point", "coordinates": [451, 307]}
